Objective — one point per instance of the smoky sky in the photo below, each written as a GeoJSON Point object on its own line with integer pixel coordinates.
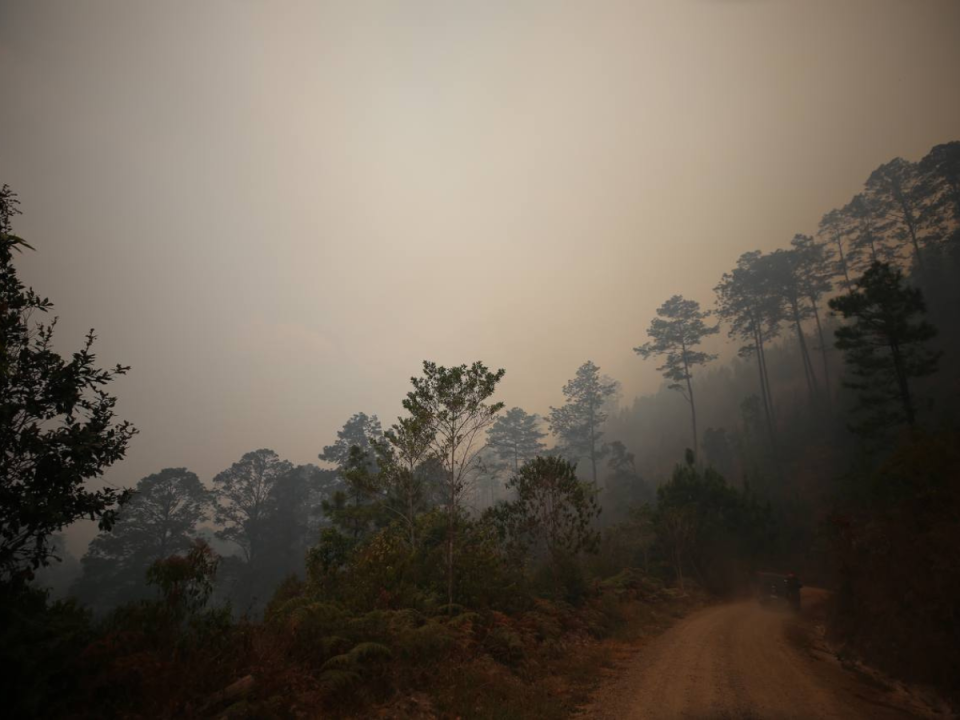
{"type": "Point", "coordinates": [275, 211]}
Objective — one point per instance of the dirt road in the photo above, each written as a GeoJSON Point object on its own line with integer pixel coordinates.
{"type": "Point", "coordinates": [737, 661]}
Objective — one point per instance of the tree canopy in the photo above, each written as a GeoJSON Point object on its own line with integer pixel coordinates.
{"type": "Point", "coordinates": [578, 423]}
{"type": "Point", "coordinates": [58, 428]}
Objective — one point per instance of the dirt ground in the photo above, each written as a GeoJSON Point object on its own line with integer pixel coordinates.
{"type": "Point", "coordinates": [741, 660]}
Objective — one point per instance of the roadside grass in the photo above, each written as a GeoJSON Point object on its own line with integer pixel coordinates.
{"type": "Point", "coordinates": [558, 676]}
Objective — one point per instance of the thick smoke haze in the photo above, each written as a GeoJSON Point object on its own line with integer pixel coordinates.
{"type": "Point", "coordinates": [275, 211]}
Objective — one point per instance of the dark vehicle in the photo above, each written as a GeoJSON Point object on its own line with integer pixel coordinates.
{"type": "Point", "coordinates": [779, 589]}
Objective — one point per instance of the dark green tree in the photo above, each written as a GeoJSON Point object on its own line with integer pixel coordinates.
{"type": "Point", "coordinates": [244, 495]}
{"type": "Point", "coordinates": [362, 431]}
{"type": "Point", "coordinates": [516, 437]}
{"type": "Point", "coordinates": [716, 531]}
{"type": "Point", "coordinates": [675, 333]}
{"type": "Point", "coordinates": [58, 429]}
{"type": "Point", "coordinates": [578, 424]}
{"type": "Point", "coordinates": [885, 346]}
{"type": "Point", "coordinates": [356, 508]}
{"type": "Point", "coordinates": [405, 471]}
{"type": "Point", "coordinates": [453, 405]}
{"type": "Point", "coordinates": [160, 520]}
{"type": "Point", "coordinates": [553, 513]}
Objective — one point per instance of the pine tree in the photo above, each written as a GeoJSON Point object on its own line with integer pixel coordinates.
{"type": "Point", "coordinates": [578, 424]}
{"type": "Point", "coordinates": [516, 437]}
{"type": "Point", "coordinates": [679, 328]}
{"type": "Point", "coordinates": [884, 347]}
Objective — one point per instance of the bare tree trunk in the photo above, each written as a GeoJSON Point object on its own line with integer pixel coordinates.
{"type": "Point", "coordinates": [903, 384]}
{"type": "Point", "coordinates": [843, 260]}
{"type": "Point", "coordinates": [593, 446]}
{"type": "Point", "coordinates": [804, 355]}
{"type": "Point", "coordinates": [451, 519]}
{"type": "Point", "coordinates": [823, 352]}
{"type": "Point", "coordinates": [693, 407]}
{"type": "Point", "coordinates": [765, 392]}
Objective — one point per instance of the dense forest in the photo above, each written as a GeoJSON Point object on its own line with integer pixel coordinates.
{"type": "Point", "coordinates": [456, 554]}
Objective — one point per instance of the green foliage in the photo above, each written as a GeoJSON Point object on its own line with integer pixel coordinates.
{"type": "Point", "coordinates": [551, 518]}
{"type": "Point", "coordinates": [578, 424]}
{"type": "Point", "coordinates": [408, 471]}
{"type": "Point", "coordinates": [624, 488]}
{"type": "Point", "coordinates": [243, 493]}
{"type": "Point", "coordinates": [357, 510]}
{"type": "Point", "coordinates": [716, 531]}
{"type": "Point", "coordinates": [516, 437]}
{"type": "Point", "coordinates": [452, 404]}
{"type": "Point", "coordinates": [884, 347]}
{"type": "Point", "coordinates": [360, 431]}
{"type": "Point", "coordinates": [160, 520]}
{"type": "Point", "coordinates": [186, 582]}
{"type": "Point", "coordinates": [57, 423]}
{"type": "Point", "coordinates": [675, 333]}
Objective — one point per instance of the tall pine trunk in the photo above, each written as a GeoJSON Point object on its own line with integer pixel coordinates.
{"type": "Point", "coordinates": [804, 354]}
{"type": "Point", "coordinates": [823, 351]}
{"type": "Point", "coordinates": [693, 407]}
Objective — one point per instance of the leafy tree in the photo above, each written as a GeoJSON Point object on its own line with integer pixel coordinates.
{"type": "Point", "coordinates": [578, 423]}
{"type": "Point", "coordinates": [553, 512]}
{"type": "Point", "coordinates": [640, 526]}
{"type": "Point", "coordinates": [717, 451]}
{"type": "Point", "coordinates": [679, 328]}
{"type": "Point", "coordinates": [185, 581]}
{"type": "Point", "coordinates": [160, 520]}
{"type": "Point", "coordinates": [405, 470]}
{"type": "Point", "coordinates": [711, 528]}
{"type": "Point", "coordinates": [490, 474]}
{"type": "Point", "coordinates": [625, 488]}
{"type": "Point", "coordinates": [884, 346]}
{"type": "Point", "coordinates": [516, 437]}
{"type": "Point", "coordinates": [452, 404]}
{"type": "Point", "coordinates": [58, 429]}
{"type": "Point", "coordinates": [245, 500]}
{"type": "Point", "coordinates": [676, 529]}
{"type": "Point", "coordinates": [356, 508]}
{"type": "Point", "coordinates": [362, 431]}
